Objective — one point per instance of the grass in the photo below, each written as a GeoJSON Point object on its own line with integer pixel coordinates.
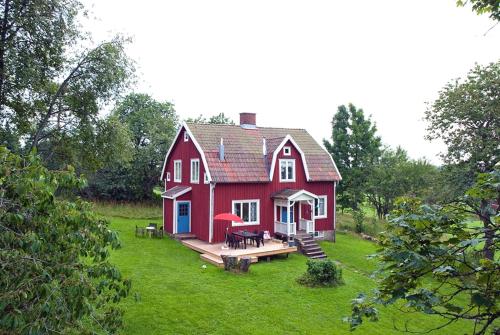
{"type": "Point", "coordinates": [129, 210]}
{"type": "Point", "coordinates": [173, 294]}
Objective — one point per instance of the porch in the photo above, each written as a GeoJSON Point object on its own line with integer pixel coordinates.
{"type": "Point", "coordinates": [212, 252]}
{"type": "Point", "coordinates": [285, 212]}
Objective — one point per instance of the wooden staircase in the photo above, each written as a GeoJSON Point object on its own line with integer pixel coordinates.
{"type": "Point", "coordinates": [308, 246]}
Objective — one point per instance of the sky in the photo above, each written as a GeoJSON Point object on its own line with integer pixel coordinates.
{"type": "Point", "coordinates": [294, 62]}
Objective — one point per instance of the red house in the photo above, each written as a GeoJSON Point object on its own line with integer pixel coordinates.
{"type": "Point", "coordinates": [275, 179]}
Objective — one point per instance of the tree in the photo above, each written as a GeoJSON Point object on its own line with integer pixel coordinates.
{"type": "Point", "coordinates": [466, 116]}
{"type": "Point", "coordinates": [152, 127]}
{"type": "Point", "coordinates": [55, 274]}
{"type": "Point", "coordinates": [355, 148]}
{"type": "Point", "coordinates": [51, 87]}
{"type": "Point", "coordinates": [395, 175]}
{"type": "Point", "coordinates": [491, 7]}
{"type": "Point", "coordinates": [432, 262]}
{"type": "Point", "coordinates": [215, 119]}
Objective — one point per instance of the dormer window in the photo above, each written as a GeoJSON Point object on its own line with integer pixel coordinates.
{"type": "Point", "coordinates": [186, 136]}
{"type": "Point", "coordinates": [287, 170]}
{"type": "Point", "coordinates": [168, 176]}
{"type": "Point", "coordinates": [287, 151]}
{"type": "Point", "coordinates": [195, 171]}
{"type": "Point", "coordinates": [177, 171]}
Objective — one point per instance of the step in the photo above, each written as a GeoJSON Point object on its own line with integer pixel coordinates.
{"type": "Point", "coordinates": [314, 253]}
{"type": "Point", "coordinates": [312, 248]}
{"type": "Point", "coordinates": [217, 261]}
{"type": "Point", "coordinates": [184, 236]}
{"type": "Point", "coordinates": [310, 244]}
{"type": "Point", "coordinates": [318, 256]}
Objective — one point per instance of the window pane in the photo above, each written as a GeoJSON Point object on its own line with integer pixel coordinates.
{"type": "Point", "coordinates": [321, 206]}
{"type": "Point", "coordinates": [253, 211]}
{"type": "Point", "coordinates": [237, 209]}
{"type": "Point", "coordinates": [290, 171]}
{"type": "Point", "coordinates": [283, 170]}
{"type": "Point", "coordinates": [316, 206]}
{"type": "Point", "coordinates": [245, 212]}
{"type": "Point", "coordinates": [284, 215]}
{"type": "Point", "coordinates": [291, 214]}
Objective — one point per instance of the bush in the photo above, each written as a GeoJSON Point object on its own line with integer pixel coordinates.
{"type": "Point", "coordinates": [359, 217]}
{"type": "Point", "coordinates": [321, 273]}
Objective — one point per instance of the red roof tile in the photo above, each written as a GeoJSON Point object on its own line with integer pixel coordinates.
{"type": "Point", "coordinates": [244, 159]}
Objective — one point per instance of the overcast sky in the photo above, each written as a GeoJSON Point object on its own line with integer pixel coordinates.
{"type": "Point", "coordinates": [294, 62]}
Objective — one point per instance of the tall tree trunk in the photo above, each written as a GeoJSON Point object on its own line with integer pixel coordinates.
{"type": "Point", "coordinates": [3, 41]}
{"type": "Point", "coordinates": [489, 232]}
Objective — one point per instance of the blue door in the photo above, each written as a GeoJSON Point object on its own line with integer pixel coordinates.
{"type": "Point", "coordinates": [183, 217]}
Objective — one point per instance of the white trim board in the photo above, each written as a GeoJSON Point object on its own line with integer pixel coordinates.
{"type": "Point", "coordinates": [196, 144]}
{"type": "Point", "coordinates": [278, 149]}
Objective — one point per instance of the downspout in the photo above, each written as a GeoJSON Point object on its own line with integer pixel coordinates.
{"type": "Point", "coordinates": [211, 213]}
{"type": "Point", "coordinates": [334, 212]}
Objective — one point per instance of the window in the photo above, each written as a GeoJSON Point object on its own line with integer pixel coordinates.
{"type": "Point", "coordinates": [186, 136]}
{"type": "Point", "coordinates": [206, 178]}
{"type": "Point", "coordinates": [247, 210]}
{"type": "Point", "coordinates": [320, 207]}
{"type": "Point", "coordinates": [287, 151]}
{"type": "Point", "coordinates": [283, 217]}
{"type": "Point", "coordinates": [195, 170]}
{"type": "Point", "coordinates": [178, 171]}
{"type": "Point", "coordinates": [168, 176]}
{"type": "Point", "coordinates": [287, 170]}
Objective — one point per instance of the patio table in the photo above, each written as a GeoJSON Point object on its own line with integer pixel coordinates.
{"type": "Point", "coordinates": [150, 230]}
{"type": "Point", "coordinates": [245, 235]}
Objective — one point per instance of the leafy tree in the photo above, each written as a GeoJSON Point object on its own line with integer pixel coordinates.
{"type": "Point", "coordinates": [55, 275]}
{"type": "Point", "coordinates": [395, 175]}
{"type": "Point", "coordinates": [215, 119]}
{"type": "Point", "coordinates": [431, 260]}
{"type": "Point", "coordinates": [355, 148]}
{"type": "Point", "coordinates": [467, 117]}
{"type": "Point", "coordinates": [51, 87]}
{"type": "Point", "coordinates": [491, 7]}
{"type": "Point", "coordinates": [152, 127]}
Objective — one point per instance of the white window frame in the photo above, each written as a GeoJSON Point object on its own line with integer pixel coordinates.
{"type": "Point", "coordinates": [186, 136]}
{"type": "Point", "coordinates": [287, 180]}
{"type": "Point", "coordinates": [325, 208]}
{"type": "Point", "coordinates": [249, 223]}
{"type": "Point", "coordinates": [168, 176]}
{"type": "Point", "coordinates": [287, 151]}
{"type": "Point", "coordinates": [178, 178]}
{"type": "Point", "coordinates": [195, 172]}
{"type": "Point", "coordinates": [205, 179]}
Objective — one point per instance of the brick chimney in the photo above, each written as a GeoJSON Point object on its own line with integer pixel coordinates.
{"type": "Point", "coordinates": [247, 120]}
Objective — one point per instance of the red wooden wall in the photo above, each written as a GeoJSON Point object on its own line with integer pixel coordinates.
{"type": "Point", "coordinates": [226, 193]}
{"type": "Point", "coordinates": [200, 194]}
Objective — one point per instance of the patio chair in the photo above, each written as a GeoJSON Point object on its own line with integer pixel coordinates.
{"type": "Point", "coordinates": [158, 233]}
{"type": "Point", "coordinates": [140, 231]}
{"type": "Point", "coordinates": [234, 242]}
{"type": "Point", "coordinates": [260, 238]}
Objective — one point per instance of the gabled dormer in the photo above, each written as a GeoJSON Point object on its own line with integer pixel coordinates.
{"type": "Point", "coordinates": [287, 160]}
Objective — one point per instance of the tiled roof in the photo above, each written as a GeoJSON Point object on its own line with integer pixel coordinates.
{"type": "Point", "coordinates": [244, 160]}
{"type": "Point", "coordinates": [175, 191]}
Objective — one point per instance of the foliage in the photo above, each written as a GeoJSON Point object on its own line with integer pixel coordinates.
{"type": "Point", "coordinates": [55, 274]}
{"type": "Point", "coordinates": [215, 119]}
{"type": "Point", "coordinates": [355, 148]}
{"type": "Point", "coordinates": [466, 116]}
{"type": "Point", "coordinates": [431, 260]}
{"type": "Point", "coordinates": [51, 86]}
{"type": "Point", "coordinates": [359, 218]}
{"type": "Point", "coordinates": [491, 7]}
{"type": "Point", "coordinates": [321, 273]}
{"type": "Point", "coordinates": [152, 128]}
{"type": "Point", "coordinates": [395, 175]}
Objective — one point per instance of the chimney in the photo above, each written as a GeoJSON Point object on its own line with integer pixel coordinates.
{"type": "Point", "coordinates": [264, 147]}
{"type": "Point", "coordinates": [247, 120]}
{"type": "Point", "coordinates": [221, 150]}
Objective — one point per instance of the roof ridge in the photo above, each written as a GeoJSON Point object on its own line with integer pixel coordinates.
{"type": "Point", "coordinates": [236, 125]}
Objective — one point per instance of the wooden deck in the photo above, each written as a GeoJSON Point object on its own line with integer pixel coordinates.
{"type": "Point", "coordinates": [212, 252]}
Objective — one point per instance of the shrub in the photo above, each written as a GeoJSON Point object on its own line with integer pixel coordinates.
{"type": "Point", "coordinates": [359, 217]}
{"type": "Point", "coordinates": [321, 273]}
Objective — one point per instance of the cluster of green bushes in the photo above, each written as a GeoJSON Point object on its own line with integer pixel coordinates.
{"type": "Point", "coordinates": [321, 273]}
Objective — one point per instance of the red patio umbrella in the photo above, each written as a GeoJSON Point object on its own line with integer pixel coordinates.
{"type": "Point", "coordinates": [228, 217]}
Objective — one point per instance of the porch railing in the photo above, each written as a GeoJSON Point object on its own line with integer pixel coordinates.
{"type": "Point", "coordinates": [281, 227]}
{"type": "Point", "coordinates": [307, 225]}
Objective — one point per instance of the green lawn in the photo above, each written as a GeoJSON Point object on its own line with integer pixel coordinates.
{"type": "Point", "coordinates": [173, 294]}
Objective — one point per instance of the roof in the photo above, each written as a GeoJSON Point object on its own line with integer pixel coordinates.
{"type": "Point", "coordinates": [175, 192]}
{"type": "Point", "coordinates": [243, 155]}
{"type": "Point", "coordinates": [291, 194]}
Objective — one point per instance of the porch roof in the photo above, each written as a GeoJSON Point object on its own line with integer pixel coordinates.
{"type": "Point", "coordinates": [291, 195]}
{"type": "Point", "coordinates": [175, 192]}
